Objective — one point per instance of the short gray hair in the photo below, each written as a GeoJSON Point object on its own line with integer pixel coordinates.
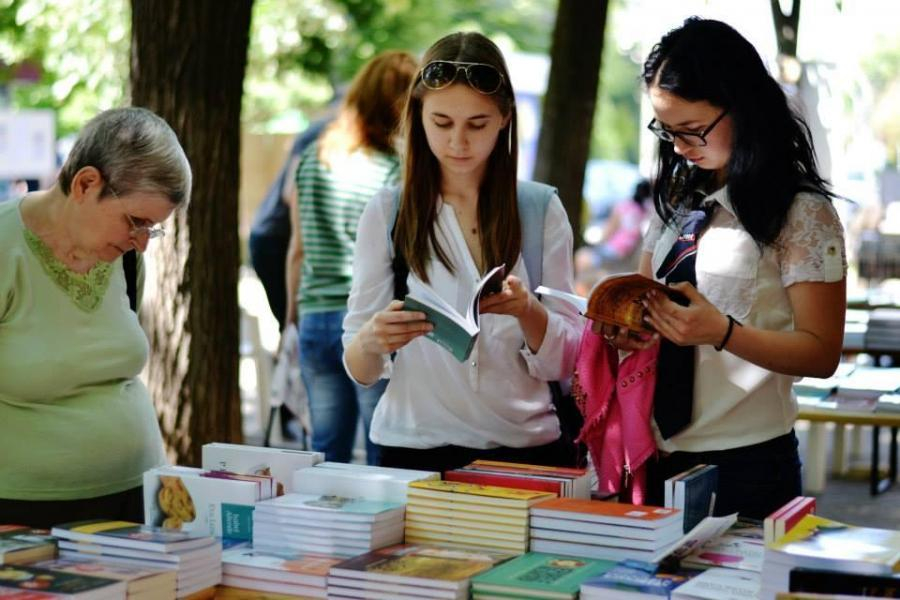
{"type": "Point", "coordinates": [135, 151]}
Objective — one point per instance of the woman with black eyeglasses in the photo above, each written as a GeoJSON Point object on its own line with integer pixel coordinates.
{"type": "Point", "coordinates": [745, 228]}
{"type": "Point", "coordinates": [458, 214]}
{"type": "Point", "coordinates": [77, 427]}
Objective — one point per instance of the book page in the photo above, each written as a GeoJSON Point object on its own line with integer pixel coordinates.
{"type": "Point", "coordinates": [490, 284]}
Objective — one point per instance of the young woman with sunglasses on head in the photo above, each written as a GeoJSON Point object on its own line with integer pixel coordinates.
{"type": "Point", "coordinates": [77, 427]}
{"type": "Point", "coordinates": [457, 217]}
{"type": "Point", "coordinates": [744, 222]}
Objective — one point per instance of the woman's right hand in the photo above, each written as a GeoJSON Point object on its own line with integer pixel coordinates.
{"type": "Point", "coordinates": [622, 338]}
{"type": "Point", "coordinates": [392, 328]}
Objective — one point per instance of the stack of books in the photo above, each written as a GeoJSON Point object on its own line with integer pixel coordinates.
{"type": "Point", "coordinates": [277, 572]}
{"type": "Point", "coordinates": [564, 482]}
{"type": "Point", "coordinates": [27, 582]}
{"type": "Point", "coordinates": [634, 579]}
{"type": "Point", "coordinates": [883, 331]}
{"type": "Point", "coordinates": [785, 518]}
{"type": "Point", "coordinates": [410, 571]}
{"type": "Point", "coordinates": [466, 515]}
{"type": "Point", "coordinates": [142, 583]}
{"type": "Point", "coordinates": [358, 481]}
{"type": "Point", "coordinates": [741, 547]}
{"type": "Point", "coordinates": [20, 545]}
{"type": "Point", "coordinates": [819, 543]}
{"type": "Point", "coordinates": [719, 584]}
{"type": "Point", "coordinates": [214, 503]}
{"type": "Point", "coordinates": [280, 463]}
{"type": "Point", "coordinates": [604, 530]}
{"type": "Point", "coordinates": [693, 492]}
{"type": "Point", "coordinates": [196, 559]}
{"type": "Point", "coordinates": [537, 575]}
{"type": "Point", "coordinates": [330, 525]}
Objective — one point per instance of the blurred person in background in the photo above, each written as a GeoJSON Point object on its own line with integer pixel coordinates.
{"type": "Point", "coordinates": [337, 175]}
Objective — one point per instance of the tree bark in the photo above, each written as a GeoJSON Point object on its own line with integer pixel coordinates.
{"type": "Point", "coordinates": [568, 114]}
{"type": "Point", "coordinates": [787, 26]}
{"type": "Point", "coordinates": [187, 65]}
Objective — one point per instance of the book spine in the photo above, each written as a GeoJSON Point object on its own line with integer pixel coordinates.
{"type": "Point", "coordinates": [521, 483]}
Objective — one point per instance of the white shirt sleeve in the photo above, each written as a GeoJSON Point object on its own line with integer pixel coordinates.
{"type": "Point", "coordinates": [373, 276]}
{"type": "Point", "coordinates": [811, 244]}
{"type": "Point", "coordinates": [555, 359]}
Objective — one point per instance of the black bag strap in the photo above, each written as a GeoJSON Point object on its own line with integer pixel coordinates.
{"type": "Point", "coordinates": [129, 265]}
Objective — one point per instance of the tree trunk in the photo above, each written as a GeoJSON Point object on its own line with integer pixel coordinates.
{"type": "Point", "coordinates": [187, 65]}
{"type": "Point", "coordinates": [568, 113]}
{"type": "Point", "coordinates": [787, 27]}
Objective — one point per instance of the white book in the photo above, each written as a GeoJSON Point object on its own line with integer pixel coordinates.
{"type": "Point", "coordinates": [344, 584]}
{"type": "Point", "coordinates": [331, 507]}
{"type": "Point", "coordinates": [719, 584]}
{"type": "Point", "coordinates": [182, 499]}
{"type": "Point", "coordinates": [592, 538]}
{"type": "Point", "coordinates": [255, 460]}
{"type": "Point", "coordinates": [363, 528]}
{"type": "Point", "coordinates": [670, 532]}
{"type": "Point", "coordinates": [579, 302]}
{"type": "Point", "coordinates": [186, 557]}
{"type": "Point", "coordinates": [276, 587]}
{"type": "Point", "coordinates": [453, 330]}
{"type": "Point", "coordinates": [358, 481]}
{"type": "Point", "coordinates": [595, 551]}
{"type": "Point", "coordinates": [287, 567]}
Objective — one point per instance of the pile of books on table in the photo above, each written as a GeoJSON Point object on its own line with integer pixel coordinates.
{"type": "Point", "coordinates": [330, 525]}
{"type": "Point", "coordinates": [604, 530]}
{"type": "Point", "coordinates": [196, 560]}
{"type": "Point", "coordinates": [410, 571]}
{"type": "Point", "coordinates": [830, 546]}
{"type": "Point", "coordinates": [30, 582]}
{"type": "Point", "coordinates": [295, 574]}
{"type": "Point", "coordinates": [21, 545]}
{"type": "Point", "coordinates": [465, 515]}
{"type": "Point", "coordinates": [358, 481]}
{"type": "Point", "coordinates": [562, 481]}
{"type": "Point", "coordinates": [537, 575]}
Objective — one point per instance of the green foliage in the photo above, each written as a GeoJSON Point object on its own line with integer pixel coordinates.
{"type": "Point", "coordinates": [81, 47]}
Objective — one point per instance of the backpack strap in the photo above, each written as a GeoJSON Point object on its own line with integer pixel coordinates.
{"type": "Point", "coordinates": [533, 201]}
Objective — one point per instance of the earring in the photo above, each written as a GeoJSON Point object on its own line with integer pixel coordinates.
{"type": "Point", "coordinates": [509, 139]}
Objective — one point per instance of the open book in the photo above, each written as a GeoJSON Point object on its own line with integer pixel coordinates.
{"type": "Point", "coordinates": [453, 331]}
{"type": "Point", "coordinates": [616, 299]}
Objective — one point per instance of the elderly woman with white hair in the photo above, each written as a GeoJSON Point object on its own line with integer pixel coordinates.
{"type": "Point", "coordinates": [77, 427]}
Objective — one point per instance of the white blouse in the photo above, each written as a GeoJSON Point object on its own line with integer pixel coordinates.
{"type": "Point", "coordinates": [737, 403]}
{"type": "Point", "coordinates": [499, 396]}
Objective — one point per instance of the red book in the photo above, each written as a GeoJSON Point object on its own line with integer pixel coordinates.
{"type": "Point", "coordinates": [510, 481]}
{"type": "Point", "coordinates": [782, 520]}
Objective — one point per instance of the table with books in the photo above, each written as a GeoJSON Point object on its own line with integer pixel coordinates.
{"type": "Point", "coordinates": [854, 395]}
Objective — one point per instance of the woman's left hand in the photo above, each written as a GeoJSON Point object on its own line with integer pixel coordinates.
{"type": "Point", "coordinates": [692, 325]}
{"type": "Point", "coordinates": [513, 299]}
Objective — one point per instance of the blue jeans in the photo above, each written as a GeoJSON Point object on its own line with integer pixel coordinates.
{"type": "Point", "coordinates": [335, 401]}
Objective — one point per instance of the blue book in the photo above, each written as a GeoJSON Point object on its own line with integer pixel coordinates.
{"type": "Point", "coordinates": [637, 577]}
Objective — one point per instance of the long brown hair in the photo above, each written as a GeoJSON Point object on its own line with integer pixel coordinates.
{"type": "Point", "coordinates": [370, 112]}
{"type": "Point", "coordinates": [498, 212]}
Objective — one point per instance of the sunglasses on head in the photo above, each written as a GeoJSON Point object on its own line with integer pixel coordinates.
{"type": "Point", "coordinates": [483, 78]}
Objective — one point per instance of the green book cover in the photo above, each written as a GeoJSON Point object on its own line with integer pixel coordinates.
{"type": "Point", "coordinates": [560, 576]}
{"type": "Point", "coordinates": [452, 330]}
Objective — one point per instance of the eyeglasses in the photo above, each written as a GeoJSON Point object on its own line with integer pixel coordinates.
{"type": "Point", "coordinates": [151, 231]}
{"type": "Point", "coordinates": [688, 137]}
{"type": "Point", "coordinates": [483, 78]}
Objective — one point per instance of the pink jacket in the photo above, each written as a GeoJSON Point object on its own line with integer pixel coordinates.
{"type": "Point", "coordinates": [616, 400]}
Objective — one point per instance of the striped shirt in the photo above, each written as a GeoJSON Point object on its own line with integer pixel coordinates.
{"type": "Point", "coordinates": [331, 199]}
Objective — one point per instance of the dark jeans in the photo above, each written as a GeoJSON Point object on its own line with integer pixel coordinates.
{"type": "Point", "coordinates": [268, 255]}
{"type": "Point", "coordinates": [754, 480]}
{"type": "Point", "coordinates": [122, 506]}
{"type": "Point", "coordinates": [336, 402]}
{"type": "Point", "coordinates": [446, 458]}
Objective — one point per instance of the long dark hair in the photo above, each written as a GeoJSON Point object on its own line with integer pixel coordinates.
{"type": "Point", "coordinates": [772, 156]}
{"type": "Point", "coordinates": [498, 214]}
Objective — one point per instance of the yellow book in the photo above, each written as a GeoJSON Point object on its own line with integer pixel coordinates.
{"type": "Point", "coordinates": [477, 494]}
{"type": "Point", "coordinates": [480, 514]}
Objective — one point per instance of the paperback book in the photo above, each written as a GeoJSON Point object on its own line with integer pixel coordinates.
{"type": "Point", "coordinates": [537, 575]}
{"type": "Point", "coordinates": [22, 545]}
{"type": "Point", "coordinates": [452, 330]}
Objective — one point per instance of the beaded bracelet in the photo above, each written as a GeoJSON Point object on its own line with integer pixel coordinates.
{"type": "Point", "coordinates": [731, 323]}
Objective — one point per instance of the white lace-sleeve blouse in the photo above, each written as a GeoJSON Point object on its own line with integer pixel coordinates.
{"type": "Point", "coordinates": [737, 403]}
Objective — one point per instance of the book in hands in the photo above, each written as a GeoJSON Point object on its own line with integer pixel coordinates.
{"type": "Point", "coordinates": [452, 330]}
{"type": "Point", "coordinates": [616, 300]}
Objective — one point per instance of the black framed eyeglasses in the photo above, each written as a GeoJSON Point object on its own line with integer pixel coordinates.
{"type": "Point", "coordinates": [483, 78]}
{"type": "Point", "coordinates": [688, 137]}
